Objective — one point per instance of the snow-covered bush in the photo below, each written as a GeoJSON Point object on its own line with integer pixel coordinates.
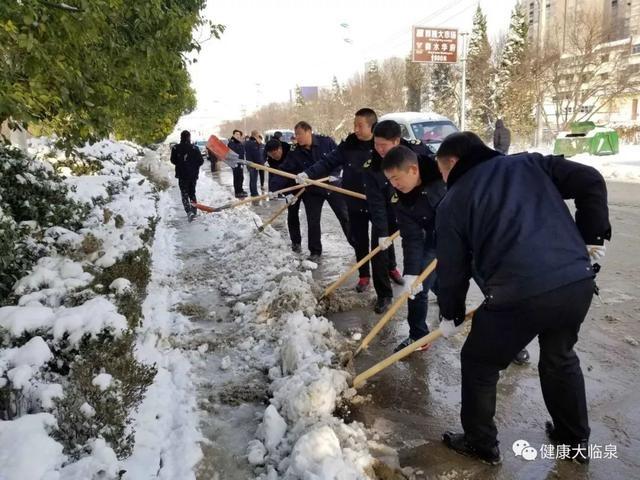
{"type": "Point", "coordinates": [32, 198]}
{"type": "Point", "coordinates": [30, 190]}
{"type": "Point", "coordinates": [89, 410]}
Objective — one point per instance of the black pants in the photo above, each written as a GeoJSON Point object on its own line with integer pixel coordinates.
{"type": "Point", "coordinates": [359, 225]}
{"type": "Point", "coordinates": [498, 333]}
{"type": "Point", "coordinates": [261, 174]}
{"type": "Point", "coordinates": [313, 203]}
{"type": "Point", "coordinates": [238, 179]}
{"type": "Point", "coordinates": [380, 264]}
{"type": "Point", "coordinates": [293, 223]}
{"type": "Point", "coordinates": [188, 193]}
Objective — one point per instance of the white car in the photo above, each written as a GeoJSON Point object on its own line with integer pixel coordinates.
{"type": "Point", "coordinates": [431, 128]}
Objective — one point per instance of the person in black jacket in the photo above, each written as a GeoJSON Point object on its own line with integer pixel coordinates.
{"type": "Point", "coordinates": [188, 160]}
{"type": "Point", "coordinates": [253, 154]}
{"type": "Point", "coordinates": [311, 148]}
{"type": "Point", "coordinates": [379, 192]}
{"type": "Point", "coordinates": [276, 152]}
{"type": "Point", "coordinates": [350, 156]}
{"type": "Point", "coordinates": [418, 190]}
{"type": "Point", "coordinates": [501, 137]}
{"type": "Point", "coordinates": [236, 144]}
{"type": "Point", "coordinates": [504, 222]}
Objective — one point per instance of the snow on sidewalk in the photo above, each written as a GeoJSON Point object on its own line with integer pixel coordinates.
{"type": "Point", "coordinates": [263, 336]}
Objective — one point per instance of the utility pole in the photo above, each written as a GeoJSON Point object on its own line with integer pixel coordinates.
{"type": "Point", "coordinates": [463, 90]}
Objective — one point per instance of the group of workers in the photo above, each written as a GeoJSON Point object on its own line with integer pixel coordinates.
{"type": "Point", "coordinates": [498, 219]}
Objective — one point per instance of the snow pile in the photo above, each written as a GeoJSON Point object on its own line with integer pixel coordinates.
{"type": "Point", "coordinates": [272, 301]}
{"type": "Point", "coordinates": [621, 167]}
{"type": "Point", "coordinates": [51, 280]}
{"type": "Point", "coordinates": [21, 439]}
{"type": "Point", "coordinates": [306, 390]}
{"type": "Point", "coordinates": [90, 318]}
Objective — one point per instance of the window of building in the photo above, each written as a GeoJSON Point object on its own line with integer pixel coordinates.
{"type": "Point", "coordinates": [635, 49]}
{"type": "Point", "coordinates": [604, 58]}
{"type": "Point", "coordinates": [614, 3]}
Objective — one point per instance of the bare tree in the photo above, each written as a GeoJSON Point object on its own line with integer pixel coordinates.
{"type": "Point", "coordinates": [587, 75]}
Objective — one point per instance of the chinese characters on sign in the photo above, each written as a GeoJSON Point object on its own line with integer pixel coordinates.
{"type": "Point", "coordinates": [435, 45]}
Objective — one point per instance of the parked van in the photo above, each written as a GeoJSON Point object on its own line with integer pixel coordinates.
{"type": "Point", "coordinates": [429, 127]}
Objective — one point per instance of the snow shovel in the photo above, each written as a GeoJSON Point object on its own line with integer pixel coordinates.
{"type": "Point", "coordinates": [231, 158]}
{"type": "Point", "coordinates": [408, 350]}
{"type": "Point", "coordinates": [207, 208]}
{"type": "Point", "coordinates": [279, 211]}
{"type": "Point", "coordinates": [348, 273]}
{"type": "Point", "coordinates": [394, 308]}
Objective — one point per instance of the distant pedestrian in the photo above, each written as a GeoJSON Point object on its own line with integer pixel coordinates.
{"type": "Point", "coordinates": [252, 152]}
{"type": "Point", "coordinates": [501, 138]}
{"type": "Point", "coordinates": [236, 144]}
{"type": "Point", "coordinates": [188, 160]}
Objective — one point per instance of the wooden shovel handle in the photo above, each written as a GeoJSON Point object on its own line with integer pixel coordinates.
{"type": "Point", "coordinates": [317, 183]}
{"type": "Point", "coordinates": [279, 211]}
{"type": "Point", "coordinates": [355, 267]}
{"type": "Point", "coordinates": [408, 350]}
{"type": "Point", "coordinates": [395, 307]}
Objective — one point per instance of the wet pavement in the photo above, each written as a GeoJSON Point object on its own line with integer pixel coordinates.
{"type": "Point", "coordinates": [412, 402]}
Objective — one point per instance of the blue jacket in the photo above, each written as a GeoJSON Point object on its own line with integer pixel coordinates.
{"type": "Point", "coordinates": [378, 189]}
{"type": "Point", "coordinates": [350, 156]}
{"type": "Point", "coordinates": [416, 214]}
{"type": "Point", "coordinates": [504, 221]}
{"type": "Point", "coordinates": [252, 151]}
{"type": "Point", "coordinates": [187, 159]}
{"type": "Point", "coordinates": [300, 159]}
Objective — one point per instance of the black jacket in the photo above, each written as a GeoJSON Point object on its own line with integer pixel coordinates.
{"type": "Point", "coordinates": [416, 214]}
{"type": "Point", "coordinates": [273, 178]}
{"type": "Point", "coordinates": [252, 151]}
{"type": "Point", "coordinates": [237, 147]}
{"type": "Point", "coordinates": [350, 156]}
{"type": "Point", "coordinates": [187, 159]}
{"type": "Point", "coordinates": [504, 221]}
{"type": "Point", "coordinates": [379, 191]}
{"type": "Point", "coordinates": [501, 137]}
{"type": "Point", "coordinates": [299, 159]}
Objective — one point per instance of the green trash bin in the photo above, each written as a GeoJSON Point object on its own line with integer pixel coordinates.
{"type": "Point", "coordinates": [585, 137]}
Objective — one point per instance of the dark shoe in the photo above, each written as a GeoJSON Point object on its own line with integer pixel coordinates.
{"type": "Point", "coordinates": [522, 358]}
{"type": "Point", "coordinates": [363, 284]}
{"type": "Point", "coordinates": [395, 276]}
{"type": "Point", "coordinates": [314, 257]}
{"type": "Point", "coordinates": [242, 194]}
{"type": "Point", "coordinates": [408, 341]}
{"type": "Point", "coordinates": [191, 216]}
{"type": "Point", "coordinates": [458, 443]}
{"type": "Point", "coordinates": [578, 451]}
{"type": "Point", "coordinates": [382, 304]}
{"type": "Point", "coordinates": [296, 247]}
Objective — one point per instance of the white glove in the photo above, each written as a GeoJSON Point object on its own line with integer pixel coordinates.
{"type": "Point", "coordinates": [384, 242]}
{"type": "Point", "coordinates": [272, 195]}
{"type": "Point", "coordinates": [302, 178]}
{"type": "Point", "coordinates": [596, 252]}
{"type": "Point", "coordinates": [290, 199]}
{"type": "Point", "coordinates": [448, 328]}
{"type": "Point", "coordinates": [408, 286]}
{"type": "Point", "coordinates": [333, 179]}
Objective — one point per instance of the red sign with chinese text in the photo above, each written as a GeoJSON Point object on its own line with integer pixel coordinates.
{"type": "Point", "coordinates": [435, 45]}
